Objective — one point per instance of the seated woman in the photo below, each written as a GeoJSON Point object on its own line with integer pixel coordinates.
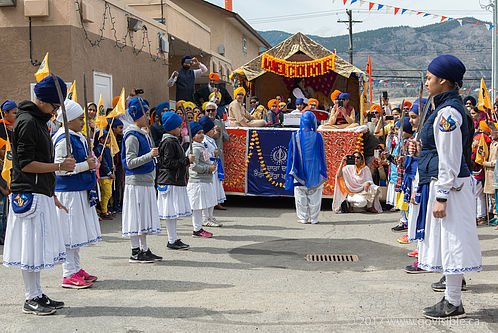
{"type": "Point", "coordinates": [238, 115]}
{"type": "Point", "coordinates": [354, 184]}
{"type": "Point", "coordinates": [341, 117]}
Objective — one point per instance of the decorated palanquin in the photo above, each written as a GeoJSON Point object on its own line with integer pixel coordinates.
{"type": "Point", "coordinates": [256, 159]}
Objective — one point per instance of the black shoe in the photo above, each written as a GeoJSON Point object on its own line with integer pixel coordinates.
{"type": "Point", "coordinates": [138, 256]}
{"type": "Point", "coordinates": [440, 286]}
{"type": "Point", "coordinates": [152, 256]}
{"type": "Point", "coordinates": [45, 300]}
{"type": "Point", "coordinates": [444, 310]}
{"type": "Point", "coordinates": [37, 307]}
{"type": "Point", "coordinates": [400, 227]}
{"type": "Point", "coordinates": [178, 245]}
{"type": "Point", "coordinates": [414, 269]}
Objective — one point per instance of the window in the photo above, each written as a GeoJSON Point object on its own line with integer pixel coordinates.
{"type": "Point", "coordinates": [244, 44]}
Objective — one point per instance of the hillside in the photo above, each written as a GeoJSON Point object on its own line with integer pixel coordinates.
{"type": "Point", "coordinates": [411, 49]}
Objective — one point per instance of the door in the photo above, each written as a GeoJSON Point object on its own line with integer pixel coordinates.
{"type": "Point", "coordinates": [102, 84]}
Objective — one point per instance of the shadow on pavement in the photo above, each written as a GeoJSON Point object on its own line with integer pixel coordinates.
{"type": "Point", "coordinates": [291, 253]}
{"type": "Point", "coordinates": [147, 312]}
{"type": "Point", "coordinates": [490, 253]}
{"type": "Point", "coordinates": [486, 315]}
{"type": "Point", "coordinates": [168, 286]}
{"type": "Point", "coordinates": [209, 264]}
{"type": "Point", "coordinates": [259, 227]}
{"type": "Point", "coordinates": [357, 222]}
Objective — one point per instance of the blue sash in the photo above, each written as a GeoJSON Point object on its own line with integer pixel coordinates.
{"type": "Point", "coordinates": [422, 198]}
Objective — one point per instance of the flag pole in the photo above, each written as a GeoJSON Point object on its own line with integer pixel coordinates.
{"type": "Point", "coordinates": [64, 115]}
{"type": "Point", "coordinates": [87, 127]}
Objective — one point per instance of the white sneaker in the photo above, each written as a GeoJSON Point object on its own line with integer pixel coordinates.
{"type": "Point", "coordinates": [302, 221]}
{"type": "Point", "coordinates": [211, 222]}
{"type": "Point", "coordinates": [314, 222]}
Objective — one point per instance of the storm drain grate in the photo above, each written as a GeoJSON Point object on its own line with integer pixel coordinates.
{"type": "Point", "coordinates": [332, 258]}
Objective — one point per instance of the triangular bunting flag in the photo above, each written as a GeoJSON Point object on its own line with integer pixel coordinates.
{"type": "Point", "coordinates": [443, 18]}
{"type": "Point", "coordinates": [396, 10]}
{"type": "Point", "coordinates": [419, 13]}
{"type": "Point", "coordinates": [345, 1]}
{"type": "Point", "coordinates": [491, 27]}
{"type": "Point", "coordinates": [370, 5]}
{"type": "Point", "coordinates": [353, 1]}
{"type": "Point", "coordinates": [379, 6]}
{"type": "Point", "coordinates": [403, 11]}
{"type": "Point", "coordinates": [426, 14]}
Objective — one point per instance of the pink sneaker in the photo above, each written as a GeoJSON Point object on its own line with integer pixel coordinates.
{"type": "Point", "coordinates": [202, 233]}
{"type": "Point", "coordinates": [87, 277]}
{"type": "Point", "coordinates": [75, 282]}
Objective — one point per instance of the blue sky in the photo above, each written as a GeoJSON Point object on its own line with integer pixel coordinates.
{"type": "Point", "coordinates": [319, 17]}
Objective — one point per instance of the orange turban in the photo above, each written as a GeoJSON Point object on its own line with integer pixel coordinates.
{"type": "Point", "coordinates": [115, 101]}
{"type": "Point", "coordinates": [312, 100]}
{"type": "Point", "coordinates": [407, 104]}
{"type": "Point", "coordinates": [375, 107]}
{"type": "Point", "coordinates": [334, 95]}
{"type": "Point", "coordinates": [484, 127]}
{"type": "Point", "coordinates": [180, 102]}
{"type": "Point", "coordinates": [271, 102]}
{"type": "Point", "coordinates": [214, 76]}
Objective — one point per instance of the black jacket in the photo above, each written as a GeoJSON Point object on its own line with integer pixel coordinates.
{"type": "Point", "coordinates": [31, 142]}
{"type": "Point", "coordinates": [202, 95]}
{"type": "Point", "coordinates": [172, 163]}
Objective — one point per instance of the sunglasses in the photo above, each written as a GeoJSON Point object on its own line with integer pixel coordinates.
{"type": "Point", "coordinates": [210, 110]}
{"type": "Point", "coordinates": [357, 157]}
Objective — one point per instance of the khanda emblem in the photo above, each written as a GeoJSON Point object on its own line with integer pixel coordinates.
{"type": "Point", "coordinates": [279, 155]}
{"type": "Point", "coordinates": [101, 110]}
{"type": "Point", "coordinates": [9, 155]}
{"type": "Point", "coordinates": [20, 200]}
{"type": "Point", "coordinates": [70, 95]}
{"type": "Point", "coordinates": [480, 151]}
{"type": "Point", "coordinates": [447, 124]}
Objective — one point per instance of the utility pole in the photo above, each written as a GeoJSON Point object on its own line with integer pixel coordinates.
{"type": "Point", "coordinates": [350, 28]}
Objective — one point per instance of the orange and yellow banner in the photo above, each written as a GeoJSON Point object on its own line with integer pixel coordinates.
{"type": "Point", "coordinates": [298, 69]}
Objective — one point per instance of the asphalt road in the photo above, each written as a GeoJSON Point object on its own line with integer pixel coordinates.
{"type": "Point", "coordinates": [253, 277]}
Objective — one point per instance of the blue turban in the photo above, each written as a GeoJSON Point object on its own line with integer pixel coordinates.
{"type": "Point", "coordinates": [134, 108]}
{"type": "Point", "coordinates": [185, 58]}
{"type": "Point", "coordinates": [448, 67]}
{"type": "Point", "coordinates": [407, 127]}
{"type": "Point", "coordinates": [8, 105]}
{"type": "Point", "coordinates": [415, 107]}
{"type": "Point", "coordinates": [116, 122]}
{"type": "Point", "coordinates": [170, 121]}
{"type": "Point", "coordinates": [468, 98]}
{"type": "Point", "coordinates": [206, 123]}
{"type": "Point", "coordinates": [161, 106]}
{"type": "Point", "coordinates": [46, 92]}
{"type": "Point", "coordinates": [299, 101]}
{"type": "Point", "coordinates": [343, 96]}
{"type": "Point", "coordinates": [195, 127]}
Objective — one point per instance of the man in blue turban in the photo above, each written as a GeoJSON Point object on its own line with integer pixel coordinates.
{"type": "Point", "coordinates": [306, 169]}
{"type": "Point", "coordinates": [185, 78]}
{"type": "Point", "coordinates": [446, 212]}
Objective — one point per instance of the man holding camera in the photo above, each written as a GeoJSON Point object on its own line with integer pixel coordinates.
{"type": "Point", "coordinates": [185, 78]}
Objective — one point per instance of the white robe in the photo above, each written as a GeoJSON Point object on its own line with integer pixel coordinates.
{"type": "Point", "coordinates": [451, 244]}
{"type": "Point", "coordinates": [355, 181]}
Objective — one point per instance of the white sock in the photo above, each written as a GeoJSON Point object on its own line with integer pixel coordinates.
{"type": "Point", "coordinates": [143, 242]}
{"type": "Point", "coordinates": [69, 267]}
{"type": "Point", "coordinates": [32, 284]}
{"type": "Point", "coordinates": [211, 211]}
{"type": "Point", "coordinates": [453, 293]}
{"type": "Point", "coordinates": [77, 265]}
{"type": "Point", "coordinates": [197, 219]}
{"type": "Point", "coordinates": [171, 228]}
{"type": "Point", "coordinates": [135, 242]}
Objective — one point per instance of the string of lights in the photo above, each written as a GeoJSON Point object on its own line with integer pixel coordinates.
{"type": "Point", "coordinates": [120, 43]}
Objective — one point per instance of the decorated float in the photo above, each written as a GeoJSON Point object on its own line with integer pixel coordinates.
{"type": "Point", "coordinates": [256, 158]}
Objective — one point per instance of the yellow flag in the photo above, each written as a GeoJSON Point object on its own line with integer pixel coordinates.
{"type": "Point", "coordinates": [482, 151]}
{"type": "Point", "coordinates": [113, 145]}
{"type": "Point", "coordinates": [7, 162]}
{"type": "Point", "coordinates": [101, 120]}
{"type": "Point", "coordinates": [484, 100]}
{"type": "Point", "coordinates": [43, 71]}
{"type": "Point", "coordinates": [120, 106]}
{"type": "Point", "coordinates": [72, 93]}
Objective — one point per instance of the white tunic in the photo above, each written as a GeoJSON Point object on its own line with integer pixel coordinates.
{"type": "Point", "coordinates": [450, 244]}
{"type": "Point", "coordinates": [217, 184]}
{"type": "Point", "coordinates": [36, 241]}
{"type": "Point", "coordinates": [81, 226]}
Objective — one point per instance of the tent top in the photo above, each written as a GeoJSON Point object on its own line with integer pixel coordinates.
{"type": "Point", "coordinates": [292, 45]}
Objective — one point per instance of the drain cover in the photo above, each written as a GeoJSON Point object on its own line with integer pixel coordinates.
{"type": "Point", "coordinates": [332, 258]}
